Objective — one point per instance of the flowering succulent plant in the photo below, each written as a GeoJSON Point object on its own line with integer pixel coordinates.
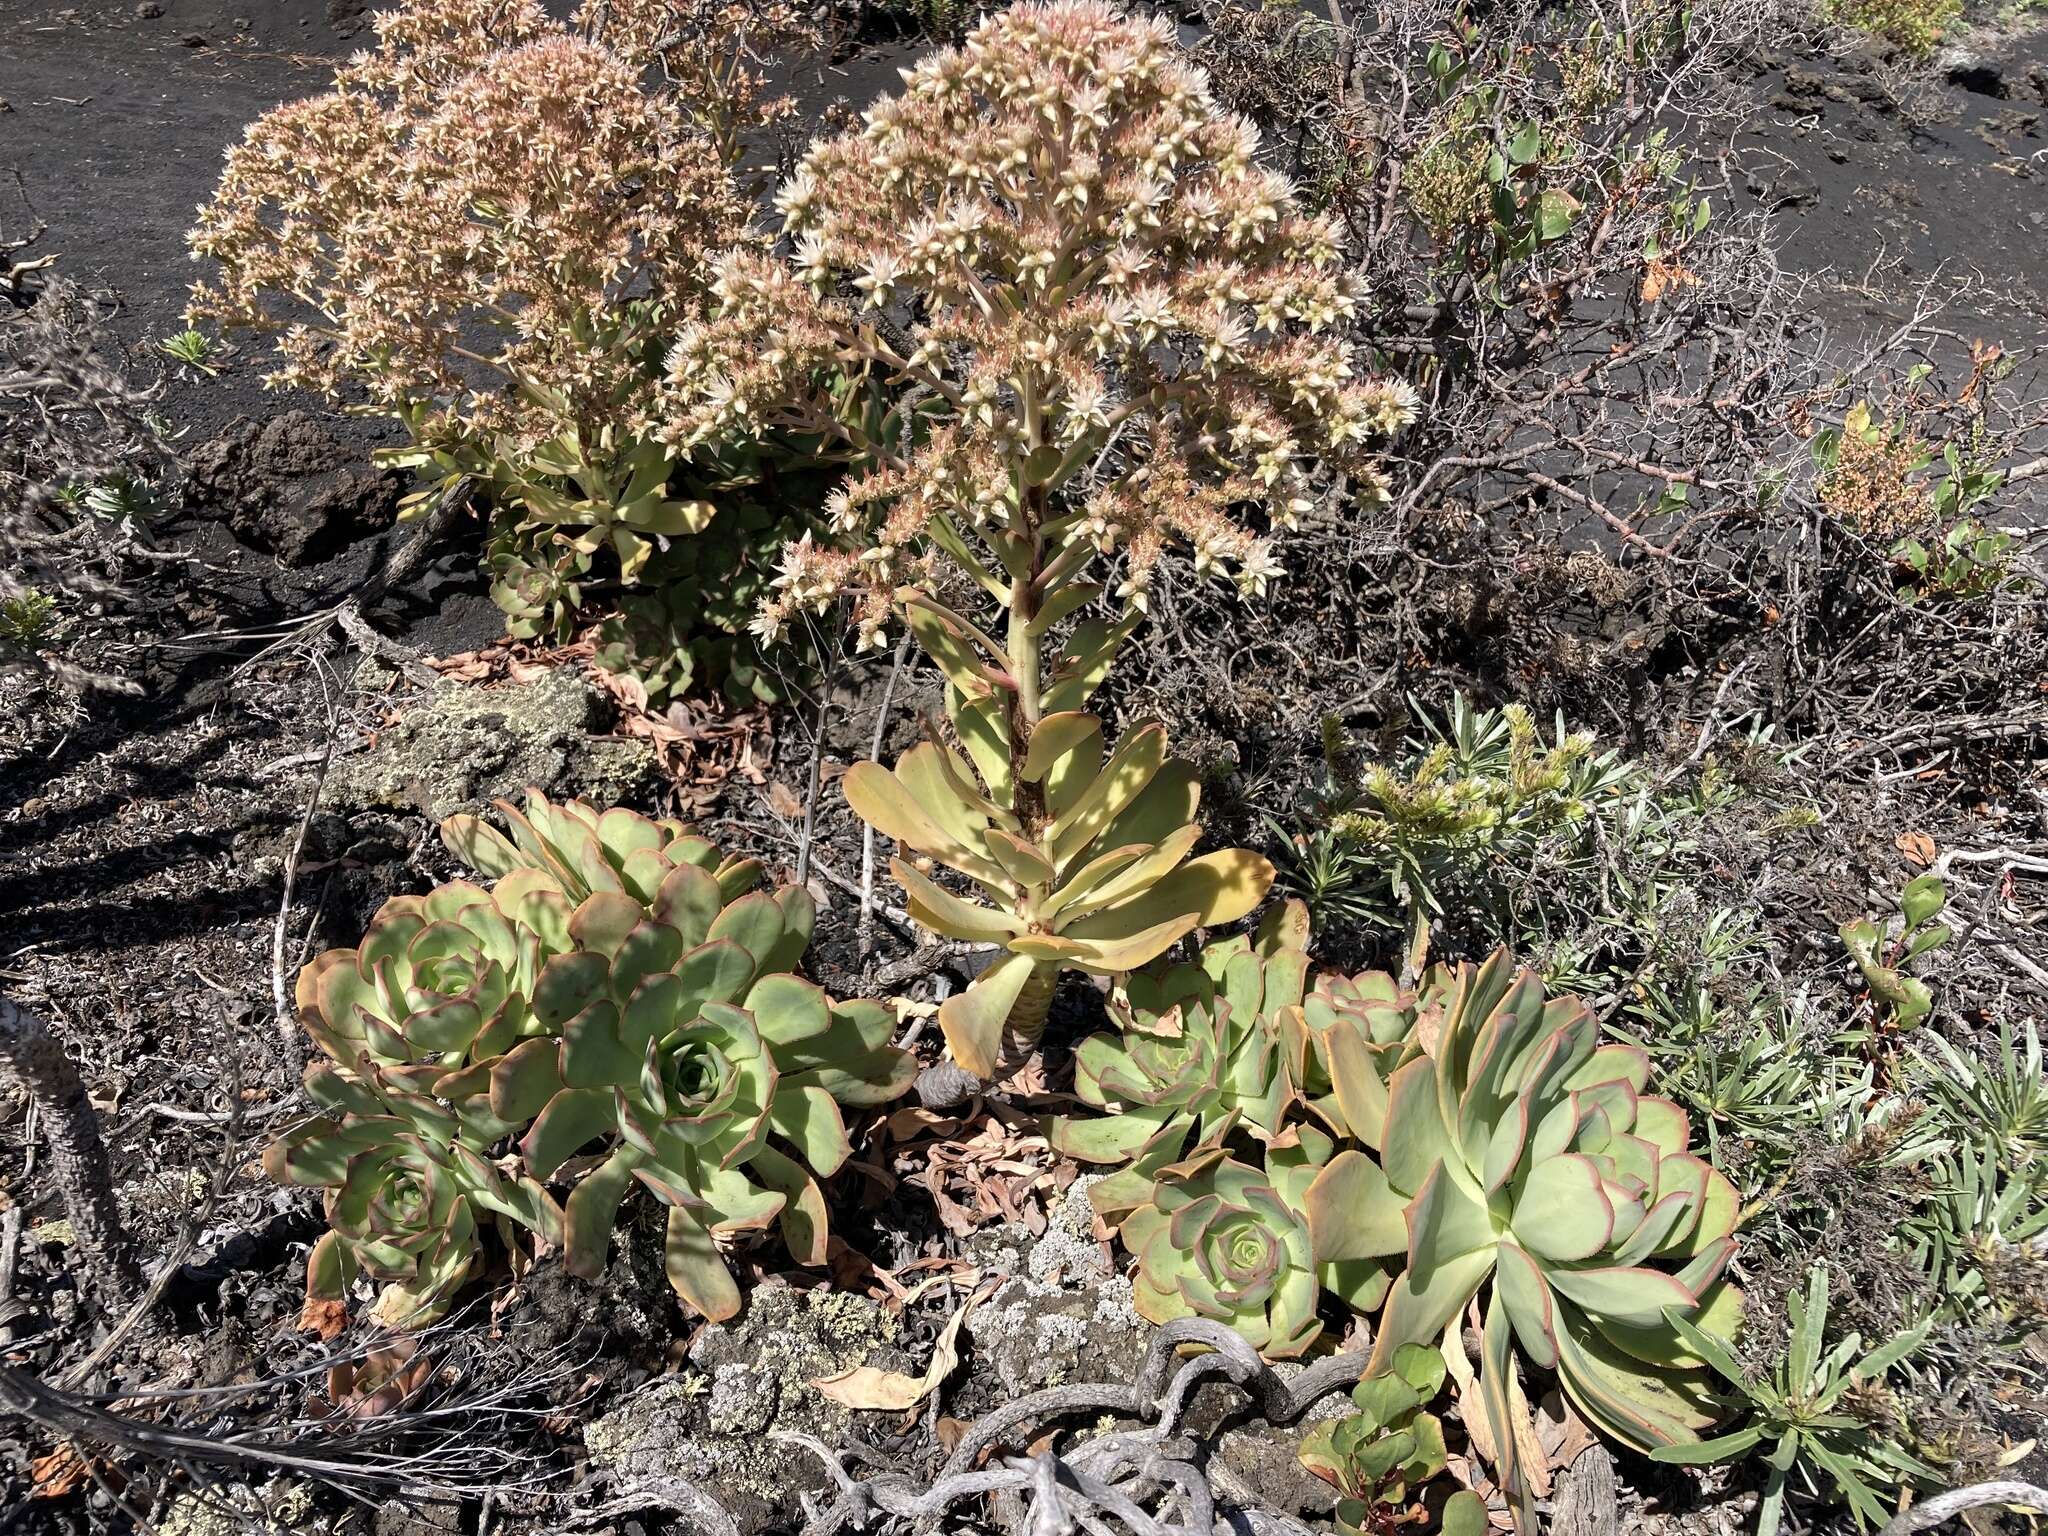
{"type": "Point", "coordinates": [1119, 330]}
{"type": "Point", "coordinates": [488, 230]}
{"type": "Point", "coordinates": [619, 1008]}
{"type": "Point", "coordinates": [1053, 310]}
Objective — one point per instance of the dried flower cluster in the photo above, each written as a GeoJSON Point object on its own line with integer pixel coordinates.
{"type": "Point", "coordinates": [458, 225]}
{"type": "Point", "coordinates": [491, 229]}
{"type": "Point", "coordinates": [1062, 265]}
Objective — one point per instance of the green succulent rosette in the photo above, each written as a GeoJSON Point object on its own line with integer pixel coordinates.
{"type": "Point", "coordinates": [700, 1071]}
{"type": "Point", "coordinates": [619, 1009]}
{"type": "Point", "coordinates": [1523, 1159]}
{"type": "Point", "coordinates": [1360, 1030]}
{"type": "Point", "coordinates": [406, 1199]}
{"type": "Point", "coordinates": [437, 979]}
{"type": "Point", "coordinates": [1221, 1239]}
{"type": "Point", "coordinates": [1199, 1048]}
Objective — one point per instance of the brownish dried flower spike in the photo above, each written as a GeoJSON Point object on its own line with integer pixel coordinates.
{"type": "Point", "coordinates": [455, 227]}
{"type": "Point", "coordinates": [1121, 330]}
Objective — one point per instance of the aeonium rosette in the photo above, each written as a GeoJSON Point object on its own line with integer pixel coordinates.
{"type": "Point", "coordinates": [644, 1029]}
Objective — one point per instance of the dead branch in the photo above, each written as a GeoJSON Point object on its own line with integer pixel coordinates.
{"type": "Point", "coordinates": [1112, 1476]}
{"type": "Point", "coordinates": [1929, 1513]}
{"type": "Point", "coordinates": [78, 1153]}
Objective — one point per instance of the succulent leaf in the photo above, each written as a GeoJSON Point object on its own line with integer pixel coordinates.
{"type": "Point", "coordinates": [1530, 1156]}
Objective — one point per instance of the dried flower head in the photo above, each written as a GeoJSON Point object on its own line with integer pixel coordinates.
{"type": "Point", "coordinates": [1102, 326]}
{"type": "Point", "coordinates": [463, 227]}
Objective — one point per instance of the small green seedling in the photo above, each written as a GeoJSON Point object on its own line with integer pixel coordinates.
{"type": "Point", "coordinates": [193, 348]}
{"type": "Point", "coordinates": [1379, 1457]}
{"type": "Point", "coordinates": [1907, 996]}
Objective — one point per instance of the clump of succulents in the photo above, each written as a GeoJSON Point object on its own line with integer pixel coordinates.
{"type": "Point", "coordinates": [620, 1008]}
{"type": "Point", "coordinates": [1522, 1157]}
{"type": "Point", "coordinates": [1418, 1151]}
{"type": "Point", "coordinates": [490, 229]}
{"type": "Point", "coordinates": [1379, 1458]}
{"type": "Point", "coordinates": [1228, 1228]}
{"type": "Point", "coordinates": [1110, 331]}
{"type": "Point", "coordinates": [1197, 1049]}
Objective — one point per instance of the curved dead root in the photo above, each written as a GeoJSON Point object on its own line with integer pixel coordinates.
{"type": "Point", "coordinates": [1143, 1481]}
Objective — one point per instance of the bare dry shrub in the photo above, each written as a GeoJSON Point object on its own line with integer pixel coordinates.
{"type": "Point", "coordinates": [73, 431]}
{"type": "Point", "coordinates": [1612, 498]}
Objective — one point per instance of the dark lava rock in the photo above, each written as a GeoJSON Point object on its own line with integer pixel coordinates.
{"type": "Point", "coordinates": [347, 17]}
{"type": "Point", "coordinates": [1981, 74]}
{"type": "Point", "coordinates": [286, 485]}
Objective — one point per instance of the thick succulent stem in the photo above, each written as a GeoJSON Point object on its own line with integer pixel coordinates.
{"type": "Point", "coordinates": [1026, 704]}
{"type": "Point", "coordinates": [947, 1083]}
{"type": "Point", "coordinates": [1027, 1020]}
{"type": "Point", "coordinates": [78, 1155]}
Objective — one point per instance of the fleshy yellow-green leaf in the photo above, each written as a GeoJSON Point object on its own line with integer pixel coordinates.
{"type": "Point", "coordinates": [943, 912]}
{"type": "Point", "coordinates": [880, 799]}
{"type": "Point", "coordinates": [1216, 888]}
{"type": "Point", "coordinates": [1107, 956]}
{"type": "Point", "coordinates": [972, 1021]}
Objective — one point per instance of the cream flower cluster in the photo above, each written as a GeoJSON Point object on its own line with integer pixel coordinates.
{"type": "Point", "coordinates": [1066, 264]}
{"type": "Point", "coordinates": [479, 226]}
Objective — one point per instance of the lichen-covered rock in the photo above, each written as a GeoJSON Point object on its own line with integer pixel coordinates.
{"type": "Point", "coordinates": [1266, 1458]}
{"type": "Point", "coordinates": [241, 1509]}
{"type": "Point", "coordinates": [457, 749]}
{"type": "Point", "coordinates": [1065, 1313]}
{"type": "Point", "coordinates": [711, 1425]}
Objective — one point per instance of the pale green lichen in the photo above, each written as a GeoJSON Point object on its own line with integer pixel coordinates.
{"type": "Point", "coordinates": [713, 1423]}
{"type": "Point", "coordinates": [455, 749]}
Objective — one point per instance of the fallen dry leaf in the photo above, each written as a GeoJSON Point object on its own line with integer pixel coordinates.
{"type": "Point", "coordinates": [1665, 275]}
{"type": "Point", "coordinates": [867, 1386]}
{"type": "Point", "coordinates": [1918, 848]}
{"type": "Point", "coordinates": [57, 1475]}
{"type": "Point", "coordinates": [1528, 1449]}
{"type": "Point", "coordinates": [326, 1319]}
{"type": "Point", "coordinates": [1563, 1433]}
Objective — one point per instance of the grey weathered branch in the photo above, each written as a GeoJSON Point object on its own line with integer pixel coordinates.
{"type": "Point", "coordinates": [1110, 1474]}
{"type": "Point", "coordinates": [1929, 1513]}
{"type": "Point", "coordinates": [78, 1154]}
